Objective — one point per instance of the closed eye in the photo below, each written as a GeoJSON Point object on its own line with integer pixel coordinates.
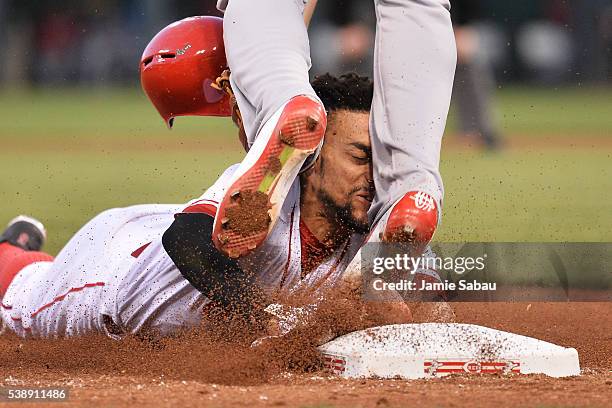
{"type": "Point", "coordinates": [361, 159]}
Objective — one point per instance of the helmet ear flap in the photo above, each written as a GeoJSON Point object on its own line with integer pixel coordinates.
{"type": "Point", "coordinates": [179, 65]}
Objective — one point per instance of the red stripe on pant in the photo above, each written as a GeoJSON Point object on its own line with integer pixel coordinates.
{"type": "Point", "coordinates": [13, 260]}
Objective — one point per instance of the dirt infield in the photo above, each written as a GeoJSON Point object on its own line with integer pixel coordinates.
{"type": "Point", "coordinates": [197, 372]}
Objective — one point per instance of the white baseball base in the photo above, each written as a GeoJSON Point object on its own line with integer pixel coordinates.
{"type": "Point", "coordinates": [427, 350]}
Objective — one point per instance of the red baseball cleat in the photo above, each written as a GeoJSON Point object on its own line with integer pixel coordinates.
{"type": "Point", "coordinates": [412, 220]}
{"type": "Point", "coordinates": [252, 204]}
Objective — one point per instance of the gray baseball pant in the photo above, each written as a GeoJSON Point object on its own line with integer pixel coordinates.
{"type": "Point", "coordinates": [414, 65]}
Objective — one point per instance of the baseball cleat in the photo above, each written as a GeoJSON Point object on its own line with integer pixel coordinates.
{"type": "Point", "coordinates": [412, 221]}
{"type": "Point", "coordinates": [252, 204]}
{"type": "Point", "coordinates": [25, 232]}
{"type": "Point", "coordinates": [409, 224]}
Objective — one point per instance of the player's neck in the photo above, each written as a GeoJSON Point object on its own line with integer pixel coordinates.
{"type": "Point", "coordinates": [321, 224]}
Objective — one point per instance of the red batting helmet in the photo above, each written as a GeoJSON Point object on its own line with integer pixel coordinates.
{"type": "Point", "coordinates": [179, 65]}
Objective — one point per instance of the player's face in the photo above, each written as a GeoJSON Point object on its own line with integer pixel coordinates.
{"type": "Point", "coordinates": [344, 168]}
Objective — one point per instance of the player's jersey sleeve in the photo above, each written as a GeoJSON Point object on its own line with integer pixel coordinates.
{"type": "Point", "coordinates": [209, 201]}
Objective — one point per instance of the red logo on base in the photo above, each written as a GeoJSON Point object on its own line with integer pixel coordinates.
{"type": "Point", "coordinates": [334, 364]}
{"type": "Point", "coordinates": [446, 367]}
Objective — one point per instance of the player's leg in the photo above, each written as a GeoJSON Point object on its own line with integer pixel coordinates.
{"type": "Point", "coordinates": [20, 245]}
{"type": "Point", "coordinates": [70, 296]}
{"type": "Point", "coordinates": [36, 301]}
{"type": "Point", "coordinates": [415, 61]}
{"type": "Point", "coordinates": [268, 53]}
{"type": "Point", "coordinates": [414, 66]}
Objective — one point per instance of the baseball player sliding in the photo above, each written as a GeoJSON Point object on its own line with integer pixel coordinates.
{"type": "Point", "coordinates": [268, 54]}
{"type": "Point", "coordinates": [154, 269]}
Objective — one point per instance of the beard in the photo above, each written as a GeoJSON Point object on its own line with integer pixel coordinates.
{"type": "Point", "coordinates": [343, 214]}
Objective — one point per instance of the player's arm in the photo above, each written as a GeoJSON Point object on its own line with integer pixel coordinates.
{"type": "Point", "coordinates": [188, 243]}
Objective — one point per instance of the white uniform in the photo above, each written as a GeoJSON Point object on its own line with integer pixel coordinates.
{"type": "Point", "coordinates": [98, 278]}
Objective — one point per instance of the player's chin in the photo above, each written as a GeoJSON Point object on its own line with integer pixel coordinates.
{"type": "Point", "coordinates": [360, 219]}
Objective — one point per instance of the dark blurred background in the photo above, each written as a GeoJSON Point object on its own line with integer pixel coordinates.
{"type": "Point", "coordinates": [99, 42]}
